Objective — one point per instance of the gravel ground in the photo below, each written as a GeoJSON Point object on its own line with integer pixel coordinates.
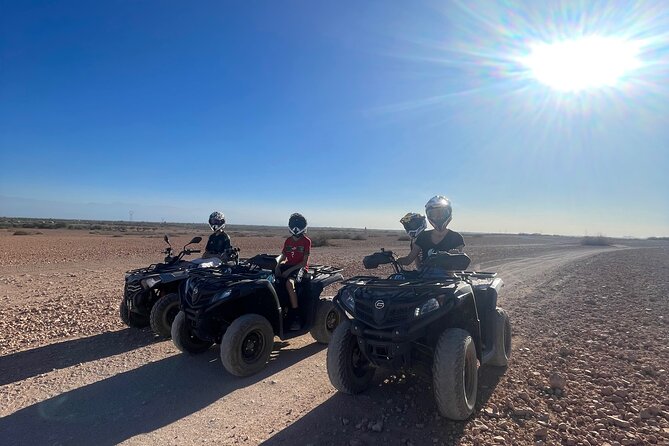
{"type": "Point", "coordinates": [589, 366]}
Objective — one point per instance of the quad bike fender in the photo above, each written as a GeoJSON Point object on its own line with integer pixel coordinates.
{"type": "Point", "coordinates": [172, 277]}
{"type": "Point", "coordinates": [261, 298]}
{"type": "Point", "coordinates": [464, 315]}
{"type": "Point", "coordinates": [332, 279]}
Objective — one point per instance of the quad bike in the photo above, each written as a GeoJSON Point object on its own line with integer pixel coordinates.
{"type": "Point", "coordinates": [243, 307]}
{"type": "Point", "coordinates": [439, 321]}
{"type": "Point", "coordinates": [150, 294]}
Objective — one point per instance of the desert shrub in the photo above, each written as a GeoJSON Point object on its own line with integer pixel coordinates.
{"type": "Point", "coordinates": [359, 237]}
{"type": "Point", "coordinates": [117, 235]}
{"type": "Point", "coordinates": [21, 233]}
{"type": "Point", "coordinates": [318, 240]}
{"type": "Point", "coordinates": [403, 238]}
{"type": "Point", "coordinates": [599, 240]}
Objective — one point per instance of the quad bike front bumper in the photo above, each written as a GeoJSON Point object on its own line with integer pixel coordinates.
{"type": "Point", "coordinates": [391, 348]}
{"type": "Point", "coordinates": [137, 298]}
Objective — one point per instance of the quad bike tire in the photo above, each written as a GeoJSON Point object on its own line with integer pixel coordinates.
{"type": "Point", "coordinates": [348, 369]}
{"type": "Point", "coordinates": [247, 345]}
{"type": "Point", "coordinates": [502, 339]}
{"type": "Point", "coordinates": [184, 340]}
{"type": "Point", "coordinates": [326, 321]}
{"type": "Point", "coordinates": [455, 374]}
{"type": "Point", "coordinates": [130, 318]}
{"type": "Point", "coordinates": [163, 314]}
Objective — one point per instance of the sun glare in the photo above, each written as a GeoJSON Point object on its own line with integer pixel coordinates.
{"type": "Point", "coordinates": [585, 63]}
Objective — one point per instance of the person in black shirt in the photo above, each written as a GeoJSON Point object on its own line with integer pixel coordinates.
{"type": "Point", "coordinates": [218, 244]}
{"type": "Point", "coordinates": [439, 213]}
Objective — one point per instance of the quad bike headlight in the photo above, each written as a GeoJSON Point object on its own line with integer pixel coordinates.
{"type": "Point", "coordinates": [429, 305]}
{"type": "Point", "coordinates": [150, 282]}
{"type": "Point", "coordinates": [221, 296]}
{"type": "Point", "coordinates": [348, 300]}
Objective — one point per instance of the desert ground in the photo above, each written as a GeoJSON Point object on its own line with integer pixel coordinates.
{"type": "Point", "coordinates": [589, 367]}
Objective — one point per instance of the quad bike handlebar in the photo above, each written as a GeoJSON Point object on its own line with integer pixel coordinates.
{"type": "Point", "coordinates": [447, 261]}
{"type": "Point", "coordinates": [170, 258]}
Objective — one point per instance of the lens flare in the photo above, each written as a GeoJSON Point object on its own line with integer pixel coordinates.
{"type": "Point", "coordinates": [588, 62]}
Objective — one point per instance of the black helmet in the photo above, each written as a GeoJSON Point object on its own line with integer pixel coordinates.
{"type": "Point", "coordinates": [413, 224]}
{"type": "Point", "coordinates": [297, 224]}
{"type": "Point", "coordinates": [439, 211]}
{"type": "Point", "coordinates": [216, 221]}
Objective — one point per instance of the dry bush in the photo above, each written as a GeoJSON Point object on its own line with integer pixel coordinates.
{"type": "Point", "coordinates": [318, 240]}
{"type": "Point", "coordinates": [359, 237]}
{"type": "Point", "coordinates": [27, 232]}
{"type": "Point", "coordinates": [403, 238]}
{"type": "Point", "coordinates": [599, 240]}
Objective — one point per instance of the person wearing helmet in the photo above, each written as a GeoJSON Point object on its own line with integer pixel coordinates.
{"type": "Point", "coordinates": [218, 244]}
{"type": "Point", "coordinates": [439, 213]}
{"type": "Point", "coordinates": [293, 259]}
{"type": "Point", "coordinates": [414, 224]}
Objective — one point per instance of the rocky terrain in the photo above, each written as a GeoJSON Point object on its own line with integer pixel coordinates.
{"type": "Point", "coordinates": [590, 359]}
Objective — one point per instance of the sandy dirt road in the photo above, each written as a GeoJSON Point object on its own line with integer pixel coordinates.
{"type": "Point", "coordinates": [110, 385]}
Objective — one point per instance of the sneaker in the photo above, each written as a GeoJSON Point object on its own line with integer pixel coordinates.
{"type": "Point", "coordinates": [296, 324]}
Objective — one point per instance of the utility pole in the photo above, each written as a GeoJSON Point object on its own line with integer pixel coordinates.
{"type": "Point", "coordinates": [131, 213]}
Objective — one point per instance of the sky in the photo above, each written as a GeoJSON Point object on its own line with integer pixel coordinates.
{"type": "Point", "coordinates": [350, 112]}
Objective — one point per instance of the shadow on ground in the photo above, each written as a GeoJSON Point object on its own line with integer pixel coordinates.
{"type": "Point", "coordinates": [406, 406]}
{"type": "Point", "coordinates": [22, 365]}
{"type": "Point", "coordinates": [135, 402]}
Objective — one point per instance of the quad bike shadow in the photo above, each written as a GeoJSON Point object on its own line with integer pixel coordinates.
{"type": "Point", "coordinates": [25, 364]}
{"type": "Point", "coordinates": [138, 401]}
{"type": "Point", "coordinates": [419, 420]}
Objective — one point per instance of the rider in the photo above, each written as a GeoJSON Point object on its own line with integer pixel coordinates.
{"type": "Point", "coordinates": [218, 244]}
{"type": "Point", "coordinates": [414, 224]}
{"type": "Point", "coordinates": [293, 259]}
{"type": "Point", "coordinates": [439, 212]}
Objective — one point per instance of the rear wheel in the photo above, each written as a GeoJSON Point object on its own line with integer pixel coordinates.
{"type": "Point", "coordinates": [163, 313]}
{"type": "Point", "coordinates": [327, 319]}
{"type": "Point", "coordinates": [130, 318]}
{"type": "Point", "coordinates": [349, 371]}
{"type": "Point", "coordinates": [502, 339]}
{"type": "Point", "coordinates": [247, 345]}
{"type": "Point", "coordinates": [183, 337]}
{"type": "Point", "coordinates": [455, 374]}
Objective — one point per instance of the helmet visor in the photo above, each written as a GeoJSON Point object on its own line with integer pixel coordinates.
{"type": "Point", "coordinates": [439, 216]}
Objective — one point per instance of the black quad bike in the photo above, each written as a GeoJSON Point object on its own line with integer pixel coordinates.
{"type": "Point", "coordinates": [150, 295]}
{"type": "Point", "coordinates": [439, 321]}
{"type": "Point", "coordinates": [243, 307]}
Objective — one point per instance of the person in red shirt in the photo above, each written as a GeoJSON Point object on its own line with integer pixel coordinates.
{"type": "Point", "coordinates": [293, 260]}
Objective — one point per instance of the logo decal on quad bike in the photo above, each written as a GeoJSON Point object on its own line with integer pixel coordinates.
{"type": "Point", "coordinates": [379, 304]}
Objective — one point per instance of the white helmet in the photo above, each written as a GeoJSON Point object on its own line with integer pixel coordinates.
{"type": "Point", "coordinates": [439, 212]}
{"type": "Point", "coordinates": [216, 221]}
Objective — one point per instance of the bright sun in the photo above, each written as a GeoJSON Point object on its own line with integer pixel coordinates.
{"type": "Point", "coordinates": [588, 62]}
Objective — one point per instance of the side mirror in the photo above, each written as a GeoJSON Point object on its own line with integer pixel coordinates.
{"type": "Point", "coordinates": [196, 240]}
{"type": "Point", "coordinates": [167, 239]}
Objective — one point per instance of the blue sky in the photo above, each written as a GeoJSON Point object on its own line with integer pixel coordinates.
{"type": "Point", "coordinates": [351, 112]}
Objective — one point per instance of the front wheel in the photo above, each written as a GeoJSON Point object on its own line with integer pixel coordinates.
{"type": "Point", "coordinates": [184, 339]}
{"type": "Point", "coordinates": [326, 321]}
{"type": "Point", "coordinates": [130, 318]}
{"type": "Point", "coordinates": [163, 313]}
{"type": "Point", "coordinates": [247, 345]}
{"type": "Point", "coordinates": [348, 369]}
{"type": "Point", "coordinates": [455, 374]}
